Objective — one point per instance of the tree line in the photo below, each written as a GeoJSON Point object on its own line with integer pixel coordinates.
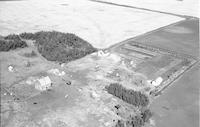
{"type": "Point", "coordinates": [135, 98]}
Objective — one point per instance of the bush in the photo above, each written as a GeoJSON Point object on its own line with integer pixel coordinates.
{"type": "Point", "coordinates": [135, 98]}
{"type": "Point", "coordinates": [11, 43]}
{"type": "Point", "coordinates": [61, 47]}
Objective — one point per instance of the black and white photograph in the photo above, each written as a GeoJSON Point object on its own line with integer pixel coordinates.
{"type": "Point", "coordinates": [99, 63]}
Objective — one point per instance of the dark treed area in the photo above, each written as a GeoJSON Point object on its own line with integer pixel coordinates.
{"type": "Point", "coordinates": [58, 46]}
{"type": "Point", "coordinates": [135, 121]}
{"type": "Point", "coordinates": [11, 42]}
{"type": "Point", "coordinates": [54, 46]}
{"type": "Point", "coordinates": [135, 98]}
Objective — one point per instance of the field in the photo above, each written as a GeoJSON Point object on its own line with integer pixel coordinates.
{"type": "Point", "coordinates": [89, 20]}
{"type": "Point", "coordinates": [178, 105]}
{"type": "Point", "coordinates": [181, 37]}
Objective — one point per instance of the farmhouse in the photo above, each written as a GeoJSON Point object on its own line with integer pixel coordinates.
{"type": "Point", "coordinates": [43, 83]}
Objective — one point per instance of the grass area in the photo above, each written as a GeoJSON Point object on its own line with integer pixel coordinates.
{"type": "Point", "coordinates": [58, 46]}
{"type": "Point", "coordinates": [11, 42]}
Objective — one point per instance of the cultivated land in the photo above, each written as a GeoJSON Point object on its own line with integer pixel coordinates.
{"type": "Point", "coordinates": [55, 79]}
{"type": "Point", "coordinates": [100, 24]}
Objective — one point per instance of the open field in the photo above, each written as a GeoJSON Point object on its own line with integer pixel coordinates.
{"type": "Point", "coordinates": [179, 105]}
{"type": "Point", "coordinates": [182, 37]}
{"type": "Point", "coordinates": [101, 25]}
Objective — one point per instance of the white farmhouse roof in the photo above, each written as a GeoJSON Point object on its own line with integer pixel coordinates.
{"type": "Point", "coordinates": [43, 83]}
{"type": "Point", "coordinates": [45, 80]}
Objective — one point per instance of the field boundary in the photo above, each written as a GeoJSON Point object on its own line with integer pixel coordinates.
{"type": "Point", "coordinates": [145, 9]}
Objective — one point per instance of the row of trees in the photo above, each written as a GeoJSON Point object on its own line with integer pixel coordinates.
{"type": "Point", "coordinates": [135, 121]}
{"type": "Point", "coordinates": [58, 46]}
{"type": "Point", "coordinates": [135, 98]}
{"type": "Point", "coordinates": [11, 42]}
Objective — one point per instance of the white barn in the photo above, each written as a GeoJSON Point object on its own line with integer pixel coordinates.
{"type": "Point", "coordinates": [156, 82]}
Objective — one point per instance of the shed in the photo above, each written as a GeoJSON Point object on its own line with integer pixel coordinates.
{"type": "Point", "coordinates": [11, 68]}
{"type": "Point", "coordinates": [101, 53]}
